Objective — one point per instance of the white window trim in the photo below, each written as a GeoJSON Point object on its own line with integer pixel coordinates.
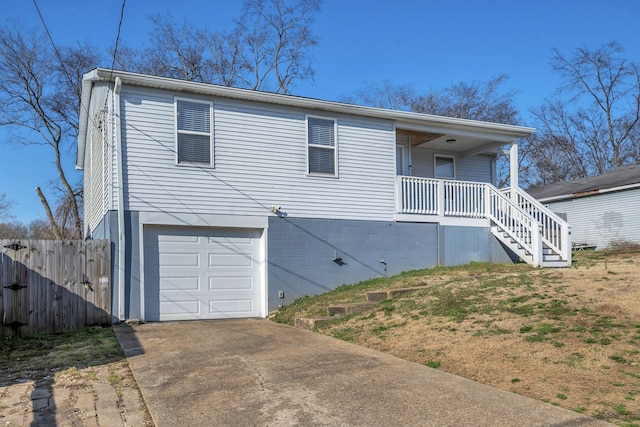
{"type": "Point", "coordinates": [335, 145]}
{"type": "Point", "coordinates": [177, 131]}
{"type": "Point", "coordinates": [435, 165]}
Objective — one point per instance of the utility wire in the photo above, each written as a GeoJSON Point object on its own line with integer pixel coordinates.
{"type": "Point", "coordinates": [55, 48]}
{"type": "Point", "coordinates": [115, 48]}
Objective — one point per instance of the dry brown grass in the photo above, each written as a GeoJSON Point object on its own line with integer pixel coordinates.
{"type": "Point", "coordinates": [570, 336]}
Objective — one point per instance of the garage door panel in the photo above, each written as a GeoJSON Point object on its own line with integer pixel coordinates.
{"type": "Point", "coordinates": [178, 238]}
{"type": "Point", "coordinates": [230, 260]}
{"type": "Point", "coordinates": [180, 310]}
{"type": "Point", "coordinates": [201, 273]}
{"type": "Point", "coordinates": [231, 283]}
{"type": "Point", "coordinates": [179, 260]}
{"type": "Point", "coordinates": [228, 248]}
{"type": "Point", "coordinates": [168, 284]}
{"type": "Point", "coordinates": [235, 306]}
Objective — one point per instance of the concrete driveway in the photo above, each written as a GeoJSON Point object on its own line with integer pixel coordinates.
{"type": "Point", "coordinates": [259, 373]}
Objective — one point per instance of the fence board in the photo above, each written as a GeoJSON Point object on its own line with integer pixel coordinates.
{"type": "Point", "coordinates": [60, 286]}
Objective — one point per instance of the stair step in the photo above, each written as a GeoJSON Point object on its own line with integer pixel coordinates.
{"type": "Point", "coordinates": [351, 308]}
{"type": "Point", "coordinates": [391, 293]}
{"type": "Point", "coordinates": [556, 264]}
{"type": "Point", "coordinates": [311, 323]}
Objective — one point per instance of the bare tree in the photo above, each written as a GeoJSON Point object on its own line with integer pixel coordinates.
{"type": "Point", "coordinates": [39, 101]}
{"type": "Point", "coordinates": [591, 125]}
{"type": "Point", "coordinates": [267, 50]}
{"type": "Point", "coordinates": [13, 230]}
{"type": "Point", "coordinates": [177, 51]}
{"type": "Point", "coordinates": [384, 95]}
{"type": "Point", "coordinates": [37, 229]}
{"type": "Point", "coordinates": [276, 38]}
{"type": "Point", "coordinates": [477, 100]}
{"type": "Point", "coordinates": [5, 207]}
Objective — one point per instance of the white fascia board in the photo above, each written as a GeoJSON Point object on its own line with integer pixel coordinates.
{"type": "Point", "coordinates": [408, 120]}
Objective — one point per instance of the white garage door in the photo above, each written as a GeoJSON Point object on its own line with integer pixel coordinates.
{"type": "Point", "coordinates": [201, 273]}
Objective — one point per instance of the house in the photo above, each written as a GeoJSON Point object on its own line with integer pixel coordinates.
{"type": "Point", "coordinates": [601, 209]}
{"type": "Point", "coordinates": [223, 202]}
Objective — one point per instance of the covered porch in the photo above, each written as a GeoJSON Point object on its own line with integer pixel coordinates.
{"type": "Point", "coordinates": [449, 177]}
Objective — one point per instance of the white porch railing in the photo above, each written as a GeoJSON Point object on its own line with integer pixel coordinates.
{"type": "Point", "coordinates": [555, 231]}
{"type": "Point", "coordinates": [527, 224]}
{"type": "Point", "coordinates": [426, 196]}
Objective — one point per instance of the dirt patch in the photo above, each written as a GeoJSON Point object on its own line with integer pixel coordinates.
{"type": "Point", "coordinates": [80, 378]}
{"type": "Point", "coordinates": [570, 337]}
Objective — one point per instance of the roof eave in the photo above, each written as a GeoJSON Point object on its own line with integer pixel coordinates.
{"type": "Point", "coordinates": [502, 132]}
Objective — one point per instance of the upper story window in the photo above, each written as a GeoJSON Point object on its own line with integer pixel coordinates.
{"type": "Point", "coordinates": [321, 145]}
{"type": "Point", "coordinates": [445, 166]}
{"type": "Point", "coordinates": [193, 132]}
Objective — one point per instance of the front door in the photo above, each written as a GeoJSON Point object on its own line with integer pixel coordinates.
{"type": "Point", "coordinates": [402, 159]}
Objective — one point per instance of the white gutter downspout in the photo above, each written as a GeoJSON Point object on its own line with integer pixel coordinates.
{"type": "Point", "coordinates": [120, 183]}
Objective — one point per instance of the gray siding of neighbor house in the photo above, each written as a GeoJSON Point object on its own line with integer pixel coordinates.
{"type": "Point", "coordinates": [462, 245]}
{"type": "Point", "coordinates": [602, 218]}
{"type": "Point", "coordinates": [301, 253]}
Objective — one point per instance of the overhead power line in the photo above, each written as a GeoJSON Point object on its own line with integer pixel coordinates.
{"type": "Point", "coordinates": [115, 48]}
{"type": "Point", "coordinates": [55, 48]}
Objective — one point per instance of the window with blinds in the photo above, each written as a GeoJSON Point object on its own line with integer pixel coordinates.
{"type": "Point", "coordinates": [321, 144]}
{"type": "Point", "coordinates": [193, 130]}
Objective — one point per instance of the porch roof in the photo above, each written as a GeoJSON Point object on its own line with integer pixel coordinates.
{"type": "Point", "coordinates": [469, 135]}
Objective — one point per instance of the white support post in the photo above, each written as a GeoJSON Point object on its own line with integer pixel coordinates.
{"type": "Point", "coordinates": [399, 194]}
{"type": "Point", "coordinates": [513, 170]}
{"type": "Point", "coordinates": [566, 243]}
{"type": "Point", "coordinates": [536, 245]}
{"type": "Point", "coordinates": [440, 199]}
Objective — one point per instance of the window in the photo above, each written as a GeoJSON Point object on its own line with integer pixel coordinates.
{"type": "Point", "coordinates": [321, 143]}
{"type": "Point", "coordinates": [444, 166]}
{"type": "Point", "coordinates": [193, 131]}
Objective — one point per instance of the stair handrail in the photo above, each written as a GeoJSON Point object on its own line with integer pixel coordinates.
{"type": "Point", "coordinates": [556, 232]}
{"type": "Point", "coordinates": [517, 223]}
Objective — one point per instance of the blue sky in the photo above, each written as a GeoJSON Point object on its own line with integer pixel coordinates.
{"type": "Point", "coordinates": [429, 44]}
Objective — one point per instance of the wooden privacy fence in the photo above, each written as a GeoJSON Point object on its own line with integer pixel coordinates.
{"type": "Point", "coordinates": [54, 286]}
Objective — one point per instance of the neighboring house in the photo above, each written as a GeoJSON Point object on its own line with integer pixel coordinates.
{"type": "Point", "coordinates": [224, 202]}
{"type": "Point", "coordinates": [601, 209]}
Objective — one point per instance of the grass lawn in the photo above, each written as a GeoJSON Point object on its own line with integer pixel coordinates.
{"type": "Point", "coordinates": [570, 337]}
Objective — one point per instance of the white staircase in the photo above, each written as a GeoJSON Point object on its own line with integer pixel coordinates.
{"type": "Point", "coordinates": [537, 235]}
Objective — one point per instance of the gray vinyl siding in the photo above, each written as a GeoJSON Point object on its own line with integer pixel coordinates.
{"type": "Point", "coordinates": [107, 228]}
{"type": "Point", "coordinates": [97, 165]}
{"type": "Point", "coordinates": [462, 245]}
{"type": "Point", "coordinates": [260, 160]}
{"type": "Point", "coordinates": [473, 168]}
{"type": "Point", "coordinates": [600, 219]}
